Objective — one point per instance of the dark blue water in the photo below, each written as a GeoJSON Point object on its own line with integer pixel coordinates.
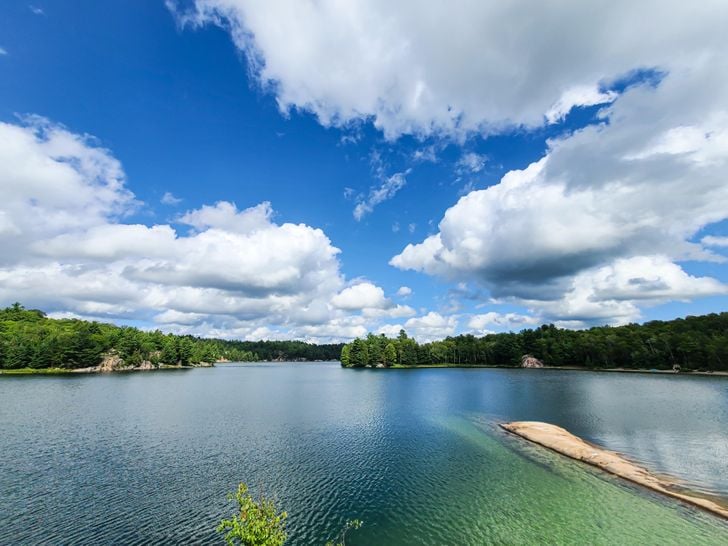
{"type": "Point", "coordinates": [147, 458]}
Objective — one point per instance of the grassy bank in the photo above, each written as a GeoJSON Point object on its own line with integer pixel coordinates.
{"type": "Point", "coordinates": [37, 371]}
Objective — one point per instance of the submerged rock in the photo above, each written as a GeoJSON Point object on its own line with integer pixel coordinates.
{"type": "Point", "coordinates": [562, 441]}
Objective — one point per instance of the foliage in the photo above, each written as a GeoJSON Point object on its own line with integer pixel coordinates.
{"type": "Point", "coordinates": [692, 343]}
{"type": "Point", "coordinates": [358, 354]}
{"type": "Point", "coordinates": [29, 339]}
{"type": "Point", "coordinates": [257, 523]}
{"type": "Point", "coordinates": [345, 358]}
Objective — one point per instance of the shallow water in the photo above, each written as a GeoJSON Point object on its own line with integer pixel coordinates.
{"type": "Point", "coordinates": [147, 458]}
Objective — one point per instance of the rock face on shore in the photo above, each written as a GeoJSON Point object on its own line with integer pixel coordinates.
{"type": "Point", "coordinates": [562, 441]}
{"type": "Point", "coordinates": [528, 361]}
{"type": "Point", "coordinates": [111, 362]}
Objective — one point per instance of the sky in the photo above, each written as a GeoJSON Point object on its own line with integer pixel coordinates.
{"type": "Point", "coordinates": [317, 170]}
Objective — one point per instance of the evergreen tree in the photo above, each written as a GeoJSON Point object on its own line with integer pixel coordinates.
{"type": "Point", "coordinates": [358, 354]}
{"type": "Point", "coordinates": [345, 360]}
{"type": "Point", "coordinates": [390, 354]}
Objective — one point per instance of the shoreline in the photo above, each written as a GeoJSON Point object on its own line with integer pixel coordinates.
{"type": "Point", "coordinates": [94, 370]}
{"type": "Point", "coordinates": [563, 442]}
{"type": "Point", "coordinates": [566, 368]}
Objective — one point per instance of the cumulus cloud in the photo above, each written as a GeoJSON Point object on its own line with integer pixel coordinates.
{"type": "Point", "coordinates": [614, 293]}
{"type": "Point", "coordinates": [360, 296]}
{"type": "Point", "coordinates": [425, 328]}
{"type": "Point", "coordinates": [232, 272]}
{"type": "Point", "coordinates": [516, 63]}
{"type": "Point", "coordinates": [370, 300]}
{"type": "Point", "coordinates": [484, 323]}
{"type": "Point", "coordinates": [640, 184]}
{"type": "Point", "coordinates": [404, 291]}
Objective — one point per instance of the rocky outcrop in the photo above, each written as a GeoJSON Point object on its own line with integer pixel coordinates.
{"type": "Point", "coordinates": [562, 441]}
{"type": "Point", "coordinates": [111, 362]}
{"type": "Point", "coordinates": [146, 365]}
{"type": "Point", "coordinates": [528, 361]}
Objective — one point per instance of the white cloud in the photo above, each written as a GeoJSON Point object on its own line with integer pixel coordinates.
{"type": "Point", "coordinates": [378, 194]}
{"type": "Point", "coordinates": [360, 296]}
{"type": "Point", "coordinates": [235, 273]}
{"type": "Point", "coordinates": [506, 321]}
{"type": "Point", "coordinates": [391, 312]}
{"type": "Point", "coordinates": [54, 182]}
{"type": "Point", "coordinates": [471, 163]}
{"type": "Point", "coordinates": [712, 240]}
{"type": "Point", "coordinates": [425, 328]}
{"type": "Point", "coordinates": [641, 185]}
{"type": "Point", "coordinates": [404, 291]}
{"type": "Point", "coordinates": [3, 51]}
{"type": "Point", "coordinates": [589, 95]}
{"type": "Point", "coordinates": [437, 68]}
{"type": "Point", "coordinates": [169, 199]}
{"type": "Point", "coordinates": [614, 293]}
{"type": "Point", "coordinates": [428, 154]}
{"type": "Point", "coordinates": [36, 10]}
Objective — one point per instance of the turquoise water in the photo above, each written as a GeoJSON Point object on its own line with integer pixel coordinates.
{"type": "Point", "coordinates": [146, 458]}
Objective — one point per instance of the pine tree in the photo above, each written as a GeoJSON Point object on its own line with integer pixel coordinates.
{"type": "Point", "coordinates": [390, 354]}
{"type": "Point", "coordinates": [345, 360]}
{"type": "Point", "coordinates": [358, 354]}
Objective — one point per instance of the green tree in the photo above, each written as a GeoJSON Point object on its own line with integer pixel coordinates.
{"type": "Point", "coordinates": [169, 352]}
{"type": "Point", "coordinates": [358, 354]}
{"type": "Point", "coordinates": [375, 347]}
{"type": "Point", "coordinates": [257, 523]}
{"type": "Point", "coordinates": [390, 354]}
{"type": "Point", "coordinates": [185, 351]}
{"type": "Point", "coordinates": [345, 359]}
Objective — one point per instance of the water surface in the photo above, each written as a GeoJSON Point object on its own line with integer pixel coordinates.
{"type": "Point", "coordinates": [146, 458]}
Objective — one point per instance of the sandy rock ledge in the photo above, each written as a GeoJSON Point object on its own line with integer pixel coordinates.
{"type": "Point", "coordinates": [562, 441]}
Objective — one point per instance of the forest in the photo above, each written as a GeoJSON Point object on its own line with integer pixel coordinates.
{"type": "Point", "coordinates": [692, 343]}
{"type": "Point", "coordinates": [29, 339]}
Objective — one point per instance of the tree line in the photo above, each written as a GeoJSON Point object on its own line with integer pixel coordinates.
{"type": "Point", "coordinates": [29, 339]}
{"type": "Point", "coordinates": [691, 343]}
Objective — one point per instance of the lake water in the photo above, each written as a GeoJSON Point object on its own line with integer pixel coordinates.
{"type": "Point", "coordinates": [147, 458]}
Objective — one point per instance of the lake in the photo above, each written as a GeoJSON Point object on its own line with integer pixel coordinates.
{"type": "Point", "coordinates": [148, 457]}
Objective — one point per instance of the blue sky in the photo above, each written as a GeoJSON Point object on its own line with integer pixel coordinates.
{"type": "Point", "coordinates": [372, 135]}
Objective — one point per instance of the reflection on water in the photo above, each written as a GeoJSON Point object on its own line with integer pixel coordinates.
{"type": "Point", "coordinates": [148, 457]}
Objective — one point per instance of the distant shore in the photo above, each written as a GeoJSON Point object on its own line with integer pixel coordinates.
{"type": "Point", "coordinates": [569, 368]}
{"type": "Point", "coordinates": [565, 443]}
{"type": "Point", "coordinates": [95, 370]}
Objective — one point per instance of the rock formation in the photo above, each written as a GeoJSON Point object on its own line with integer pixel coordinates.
{"type": "Point", "coordinates": [528, 361]}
